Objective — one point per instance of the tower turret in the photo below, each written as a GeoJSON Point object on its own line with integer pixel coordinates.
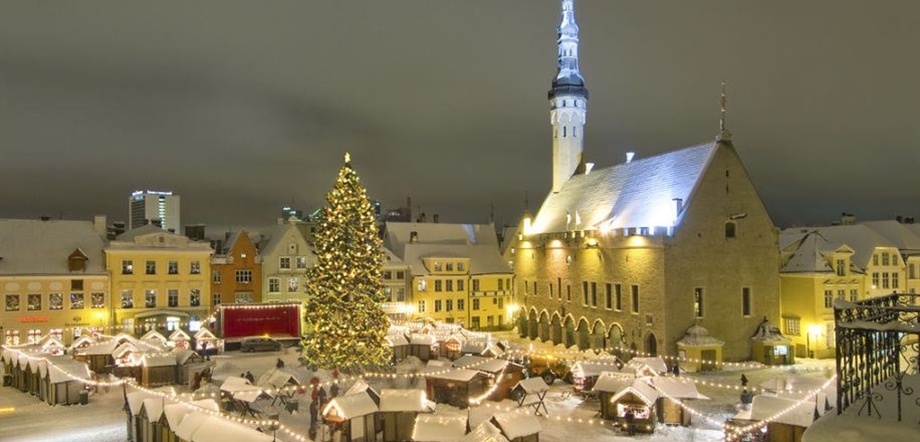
{"type": "Point", "coordinates": [568, 100]}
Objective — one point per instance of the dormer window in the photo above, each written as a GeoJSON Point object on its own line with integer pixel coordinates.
{"type": "Point", "coordinates": [841, 267]}
{"type": "Point", "coordinates": [437, 266]}
{"type": "Point", "coordinates": [449, 267]}
{"type": "Point", "coordinates": [76, 262]}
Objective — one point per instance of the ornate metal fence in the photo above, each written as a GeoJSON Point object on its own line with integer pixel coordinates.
{"type": "Point", "coordinates": [877, 346]}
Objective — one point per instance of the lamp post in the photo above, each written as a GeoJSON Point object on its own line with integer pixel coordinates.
{"type": "Point", "coordinates": [273, 425]}
{"type": "Point", "coordinates": [812, 330]}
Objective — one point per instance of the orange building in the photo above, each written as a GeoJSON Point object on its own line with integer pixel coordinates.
{"type": "Point", "coordinates": [236, 272]}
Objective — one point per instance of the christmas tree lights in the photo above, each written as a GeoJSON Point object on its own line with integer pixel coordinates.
{"type": "Point", "coordinates": [346, 323]}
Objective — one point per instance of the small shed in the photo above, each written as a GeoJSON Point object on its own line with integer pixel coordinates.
{"type": "Point", "coordinates": [157, 370]}
{"type": "Point", "coordinates": [179, 339]}
{"type": "Point", "coordinates": [153, 424]}
{"type": "Point", "coordinates": [439, 428]}
{"type": "Point", "coordinates": [698, 351]}
{"type": "Point", "coordinates": [399, 409]}
{"type": "Point", "coordinates": [450, 345]}
{"type": "Point", "coordinates": [62, 382]}
{"type": "Point", "coordinates": [585, 373]}
{"type": "Point", "coordinates": [206, 343]}
{"type": "Point", "coordinates": [354, 416]}
{"type": "Point", "coordinates": [500, 371]}
{"type": "Point", "coordinates": [787, 421]}
{"type": "Point", "coordinates": [639, 398]}
{"type": "Point", "coordinates": [81, 342]}
{"type": "Point", "coordinates": [770, 347]}
{"type": "Point", "coordinates": [98, 356]}
{"type": "Point", "coordinates": [606, 386]}
{"type": "Point", "coordinates": [188, 363]}
{"type": "Point", "coordinates": [134, 402]}
{"type": "Point", "coordinates": [518, 427]}
{"type": "Point", "coordinates": [671, 390]}
{"type": "Point", "coordinates": [399, 345]}
{"type": "Point", "coordinates": [485, 432]}
{"type": "Point", "coordinates": [423, 346]}
{"type": "Point", "coordinates": [175, 413]}
{"type": "Point", "coordinates": [154, 337]}
{"type": "Point", "coordinates": [531, 392]}
{"type": "Point", "coordinates": [456, 386]}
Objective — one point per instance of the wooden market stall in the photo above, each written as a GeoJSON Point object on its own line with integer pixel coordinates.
{"type": "Point", "coordinates": [424, 347]}
{"type": "Point", "coordinates": [531, 392]}
{"type": "Point", "coordinates": [175, 413]}
{"type": "Point", "coordinates": [605, 387]}
{"type": "Point", "coordinates": [399, 345]}
{"type": "Point", "coordinates": [399, 409]}
{"type": "Point", "coordinates": [672, 392]}
{"type": "Point", "coordinates": [485, 432]}
{"type": "Point", "coordinates": [518, 427]}
{"type": "Point", "coordinates": [354, 415]}
{"type": "Point", "coordinates": [639, 399]}
{"type": "Point", "coordinates": [157, 370]}
{"type": "Point", "coordinates": [62, 382]}
{"type": "Point", "coordinates": [455, 386]}
{"type": "Point", "coordinates": [499, 371]}
{"type": "Point", "coordinates": [439, 428]}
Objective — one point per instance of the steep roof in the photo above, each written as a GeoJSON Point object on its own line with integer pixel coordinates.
{"type": "Point", "coordinates": [484, 259]}
{"type": "Point", "coordinates": [807, 255]}
{"type": "Point", "coordinates": [901, 235]}
{"type": "Point", "coordinates": [639, 193]}
{"type": "Point", "coordinates": [477, 242]}
{"type": "Point", "coordinates": [36, 247]}
{"type": "Point", "coordinates": [859, 237]}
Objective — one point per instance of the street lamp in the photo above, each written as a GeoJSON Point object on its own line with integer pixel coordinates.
{"type": "Point", "coordinates": [273, 425]}
{"type": "Point", "coordinates": [815, 330]}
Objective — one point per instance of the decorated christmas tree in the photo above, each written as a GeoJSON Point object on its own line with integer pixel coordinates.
{"type": "Point", "coordinates": [346, 325]}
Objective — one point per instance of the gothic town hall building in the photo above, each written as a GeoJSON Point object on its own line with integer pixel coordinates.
{"type": "Point", "coordinates": [630, 257]}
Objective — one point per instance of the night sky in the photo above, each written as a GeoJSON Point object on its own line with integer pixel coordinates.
{"type": "Point", "coordinates": [241, 107]}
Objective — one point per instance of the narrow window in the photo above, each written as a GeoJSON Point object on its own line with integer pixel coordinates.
{"type": "Point", "coordinates": [698, 302]}
{"type": "Point", "coordinates": [730, 229]}
{"type": "Point", "coordinates": [746, 301]}
{"type": "Point", "coordinates": [635, 299]}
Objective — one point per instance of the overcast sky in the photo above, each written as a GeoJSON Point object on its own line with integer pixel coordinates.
{"type": "Point", "coordinates": [241, 107]}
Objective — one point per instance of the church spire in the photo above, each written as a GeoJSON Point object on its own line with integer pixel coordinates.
{"type": "Point", "coordinates": [568, 99]}
{"type": "Point", "coordinates": [724, 134]}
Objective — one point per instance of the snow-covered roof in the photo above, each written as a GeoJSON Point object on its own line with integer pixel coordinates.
{"type": "Point", "coordinates": [403, 400]}
{"type": "Point", "coordinates": [678, 388]}
{"type": "Point", "coordinates": [485, 432]}
{"type": "Point", "coordinates": [73, 371]}
{"type": "Point", "coordinates": [136, 400]}
{"type": "Point", "coordinates": [175, 412]}
{"type": "Point", "coordinates": [516, 424]}
{"type": "Point", "coordinates": [484, 259]}
{"type": "Point", "coordinates": [179, 335]}
{"type": "Point", "coordinates": [488, 365]}
{"type": "Point", "coordinates": [204, 333]}
{"type": "Point", "coordinates": [698, 336]}
{"type": "Point", "coordinates": [190, 425]}
{"type": "Point", "coordinates": [774, 408]}
{"type": "Point", "coordinates": [612, 382]}
{"type": "Point", "coordinates": [639, 193]}
{"type": "Point", "coordinates": [594, 367]}
{"type": "Point", "coordinates": [768, 332]}
{"type": "Point", "coordinates": [793, 383]}
{"type": "Point", "coordinates": [37, 247]}
{"type": "Point", "coordinates": [454, 374]}
{"type": "Point", "coordinates": [277, 378]}
{"type": "Point", "coordinates": [641, 389]}
{"type": "Point", "coordinates": [153, 335]}
{"type": "Point", "coordinates": [154, 406]}
{"type": "Point", "coordinates": [158, 361]}
{"type": "Point", "coordinates": [184, 354]}
{"type": "Point", "coordinates": [862, 238]}
{"type": "Point", "coordinates": [532, 385]}
{"type": "Point", "coordinates": [439, 428]}
{"type": "Point", "coordinates": [396, 340]}
{"type": "Point", "coordinates": [422, 339]}
{"type": "Point", "coordinates": [215, 429]}
{"type": "Point", "coordinates": [351, 406]}
{"type": "Point", "coordinates": [101, 348]}
{"type": "Point", "coordinates": [656, 363]}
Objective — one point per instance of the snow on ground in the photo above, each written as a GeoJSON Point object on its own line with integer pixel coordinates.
{"type": "Point", "coordinates": [23, 418]}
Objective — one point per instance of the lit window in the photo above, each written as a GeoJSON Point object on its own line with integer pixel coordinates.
{"type": "Point", "coordinates": [150, 298]}
{"type": "Point", "coordinates": [792, 326]}
{"type": "Point", "coordinates": [98, 300]}
{"type": "Point", "coordinates": [12, 303]}
{"type": "Point", "coordinates": [422, 285]}
{"type": "Point", "coordinates": [76, 301]}
{"type": "Point", "coordinates": [172, 297]}
{"type": "Point", "coordinates": [301, 262]}
{"type": "Point", "coordinates": [293, 284]}
{"type": "Point", "coordinates": [127, 267]}
{"type": "Point", "coordinates": [172, 267]}
{"type": "Point", "coordinates": [437, 266]}
{"type": "Point", "coordinates": [698, 302]}
{"type": "Point", "coordinates": [35, 302]}
{"type": "Point", "coordinates": [56, 301]}
{"type": "Point", "coordinates": [194, 297]}
{"type": "Point", "coordinates": [127, 299]}
{"type": "Point", "coordinates": [195, 267]}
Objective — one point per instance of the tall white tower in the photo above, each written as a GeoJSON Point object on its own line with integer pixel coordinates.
{"type": "Point", "coordinates": [568, 101]}
{"type": "Point", "coordinates": [148, 206]}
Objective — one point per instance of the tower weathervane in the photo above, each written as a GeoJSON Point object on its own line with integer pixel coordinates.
{"type": "Point", "coordinates": [724, 106]}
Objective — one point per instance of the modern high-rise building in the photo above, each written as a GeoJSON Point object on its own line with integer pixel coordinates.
{"type": "Point", "coordinates": [154, 207]}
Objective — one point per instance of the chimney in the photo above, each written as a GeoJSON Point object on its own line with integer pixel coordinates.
{"type": "Point", "coordinates": [413, 237]}
{"type": "Point", "coordinates": [847, 219]}
{"type": "Point", "coordinates": [588, 167]}
{"type": "Point", "coordinates": [45, 218]}
{"type": "Point", "coordinates": [629, 156]}
{"type": "Point", "coordinates": [99, 224]}
{"type": "Point", "coordinates": [408, 208]}
{"type": "Point", "coordinates": [435, 217]}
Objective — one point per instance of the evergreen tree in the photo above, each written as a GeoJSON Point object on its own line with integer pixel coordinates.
{"type": "Point", "coordinates": [346, 323]}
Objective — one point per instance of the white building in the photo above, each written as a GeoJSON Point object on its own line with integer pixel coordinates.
{"type": "Point", "coordinates": [145, 206]}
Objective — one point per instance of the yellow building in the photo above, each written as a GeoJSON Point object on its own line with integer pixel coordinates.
{"type": "Point", "coordinates": [160, 280]}
{"type": "Point", "coordinates": [52, 279]}
{"type": "Point", "coordinates": [850, 262]}
{"type": "Point", "coordinates": [457, 275]}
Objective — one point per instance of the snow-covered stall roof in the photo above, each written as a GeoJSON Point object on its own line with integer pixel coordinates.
{"type": "Point", "coordinates": [136, 400]}
{"type": "Point", "coordinates": [100, 348]}
{"type": "Point", "coordinates": [204, 333]}
{"type": "Point", "coordinates": [154, 407]}
{"type": "Point", "coordinates": [454, 374]}
{"type": "Point", "coordinates": [183, 355]}
{"type": "Point", "coordinates": [594, 367]}
{"type": "Point", "coordinates": [793, 383]}
{"type": "Point", "coordinates": [215, 429]}
{"type": "Point", "coordinates": [190, 425]}
{"type": "Point", "coordinates": [678, 388]}
{"type": "Point", "coordinates": [641, 389]}
{"type": "Point", "coordinates": [167, 360]}
{"type": "Point", "coordinates": [515, 424]}
{"type": "Point", "coordinates": [422, 339]}
{"type": "Point", "coordinates": [489, 365]}
{"type": "Point", "coordinates": [485, 432]}
{"type": "Point", "coordinates": [439, 428]}
{"type": "Point", "coordinates": [179, 335]}
{"type": "Point", "coordinates": [82, 341]}
{"type": "Point", "coordinates": [177, 411]}
{"type": "Point", "coordinates": [611, 382]}
{"type": "Point", "coordinates": [656, 363]}
{"type": "Point", "coordinates": [73, 371]}
{"type": "Point", "coordinates": [277, 378]}
{"type": "Point", "coordinates": [532, 385]}
{"type": "Point", "coordinates": [350, 406]}
{"type": "Point", "coordinates": [768, 332]}
{"type": "Point", "coordinates": [774, 409]}
{"type": "Point", "coordinates": [154, 336]}
{"type": "Point", "coordinates": [396, 340]}
{"type": "Point", "coordinates": [244, 392]}
{"type": "Point", "coordinates": [403, 400]}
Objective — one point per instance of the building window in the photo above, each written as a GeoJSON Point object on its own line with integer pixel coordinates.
{"type": "Point", "coordinates": [894, 280]}
{"type": "Point", "coordinates": [172, 297]}
{"type": "Point", "coordinates": [568, 293]}
{"type": "Point", "coordinates": [449, 267]}
{"type": "Point", "coordinates": [285, 263]}
{"type": "Point", "coordinates": [874, 280]}
{"type": "Point", "coordinates": [449, 285]}
{"type": "Point", "coordinates": [551, 291]}
{"type": "Point", "coordinates": [12, 303]}
{"type": "Point", "coordinates": [476, 285]}
{"type": "Point", "coordinates": [635, 298]}
{"type": "Point", "coordinates": [301, 262]}
{"type": "Point", "coordinates": [618, 297]}
{"type": "Point", "coordinates": [243, 276]}
{"type": "Point", "coordinates": [475, 322]}
{"type": "Point", "coordinates": [476, 304]}
{"type": "Point", "coordinates": [608, 296]}
{"type": "Point", "coordinates": [127, 299]}
{"type": "Point", "coordinates": [501, 284]}
{"type": "Point", "coordinates": [437, 266]}
{"type": "Point", "coordinates": [437, 285]}
{"type": "Point", "coordinates": [421, 306]}
{"type": "Point", "coordinates": [150, 298]}
{"type": "Point", "coordinates": [293, 283]}
{"type": "Point", "coordinates": [884, 258]}
{"type": "Point", "coordinates": [35, 335]}
{"type": "Point", "coordinates": [460, 267]}
{"type": "Point", "coordinates": [34, 302]}
{"type": "Point", "coordinates": [76, 285]}
{"type": "Point", "coordinates": [792, 326]}
{"type": "Point", "coordinates": [459, 285]}
{"type": "Point", "coordinates": [730, 229]}
{"type": "Point", "coordinates": [97, 300]}
{"type": "Point", "coordinates": [194, 297]}
{"type": "Point", "coordinates": [885, 280]}
{"type": "Point", "coordinates": [172, 267]}
{"type": "Point", "coordinates": [584, 293]}
{"type": "Point", "coordinates": [151, 268]}
{"type": "Point", "coordinates": [501, 303]}
{"type": "Point", "coordinates": [875, 259]}
{"type": "Point", "coordinates": [912, 271]}
{"type": "Point", "coordinates": [854, 295]}
{"type": "Point", "coordinates": [698, 302]}
{"type": "Point", "coordinates": [215, 298]}
{"type": "Point", "coordinates": [195, 267]}
{"type": "Point", "coordinates": [841, 267]}
{"type": "Point", "coordinates": [11, 337]}
{"type": "Point", "coordinates": [77, 301]}
{"type": "Point", "coordinates": [56, 301]}
{"type": "Point", "coordinates": [243, 298]}
{"type": "Point", "coordinates": [127, 267]}
{"type": "Point", "coordinates": [828, 299]}
{"type": "Point", "coordinates": [449, 305]}
{"type": "Point", "coordinates": [400, 295]}
{"type": "Point", "coordinates": [274, 285]}
{"type": "Point", "coordinates": [437, 305]}
{"type": "Point", "coordinates": [215, 277]}
{"type": "Point", "coordinates": [460, 304]}
{"type": "Point", "coordinates": [422, 285]}
{"type": "Point", "coordinates": [594, 294]}
{"type": "Point", "coordinates": [387, 274]}
{"type": "Point", "coordinates": [400, 275]}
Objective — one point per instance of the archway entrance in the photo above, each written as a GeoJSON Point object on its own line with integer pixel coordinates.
{"type": "Point", "coordinates": [651, 345]}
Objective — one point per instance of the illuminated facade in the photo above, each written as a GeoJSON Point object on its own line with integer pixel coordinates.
{"type": "Point", "coordinates": [851, 262]}
{"type": "Point", "coordinates": [160, 280]}
{"type": "Point", "coordinates": [286, 257]}
{"type": "Point", "coordinates": [149, 205]}
{"type": "Point", "coordinates": [52, 279]}
{"type": "Point", "coordinates": [396, 287]}
{"type": "Point", "coordinates": [236, 274]}
{"type": "Point", "coordinates": [632, 256]}
{"type": "Point", "coordinates": [456, 273]}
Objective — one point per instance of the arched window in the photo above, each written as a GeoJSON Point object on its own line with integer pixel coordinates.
{"type": "Point", "coordinates": [730, 229]}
